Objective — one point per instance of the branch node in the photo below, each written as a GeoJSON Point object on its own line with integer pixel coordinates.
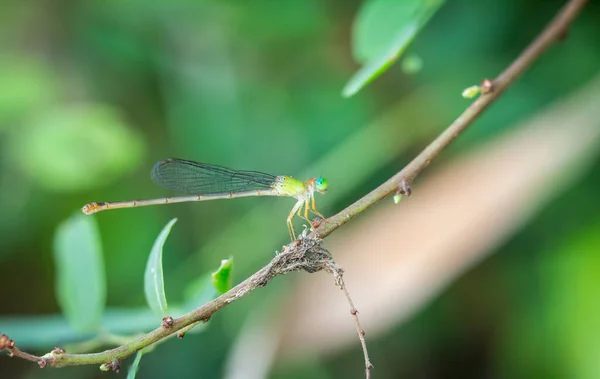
{"type": "Point", "coordinates": [487, 86]}
{"type": "Point", "coordinates": [42, 363]}
{"type": "Point", "coordinates": [167, 322]}
{"type": "Point", "coordinates": [316, 222]}
{"type": "Point", "coordinates": [5, 342]}
{"type": "Point", "coordinates": [563, 35]}
{"type": "Point", "coordinates": [404, 188]}
{"type": "Point", "coordinates": [113, 365]}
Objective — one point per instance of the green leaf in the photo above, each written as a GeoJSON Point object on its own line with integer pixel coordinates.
{"type": "Point", "coordinates": [221, 279]}
{"type": "Point", "coordinates": [382, 31]}
{"type": "Point", "coordinates": [134, 367]}
{"type": "Point", "coordinates": [80, 281]}
{"type": "Point", "coordinates": [75, 147]}
{"type": "Point", "coordinates": [154, 286]}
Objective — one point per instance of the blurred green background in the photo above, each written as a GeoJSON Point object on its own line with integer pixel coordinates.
{"type": "Point", "coordinates": [93, 93]}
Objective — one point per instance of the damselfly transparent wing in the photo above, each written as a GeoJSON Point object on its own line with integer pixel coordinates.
{"type": "Point", "coordinates": [195, 178]}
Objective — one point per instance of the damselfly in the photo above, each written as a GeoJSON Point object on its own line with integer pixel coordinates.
{"type": "Point", "coordinates": [202, 181]}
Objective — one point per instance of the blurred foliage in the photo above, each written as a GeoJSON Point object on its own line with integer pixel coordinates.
{"type": "Point", "coordinates": [94, 93]}
{"type": "Point", "coordinates": [107, 148]}
{"type": "Point", "coordinates": [383, 30]}
{"type": "Point", "coordinates": [134, 367]}
{"type": "Point", "coordinates": [80, 282]}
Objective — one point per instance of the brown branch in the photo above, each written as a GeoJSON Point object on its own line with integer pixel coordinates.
{"type": "Point", "coordinates": [400, 183]}
{"type": "Point", "coordinates": [307, 253]}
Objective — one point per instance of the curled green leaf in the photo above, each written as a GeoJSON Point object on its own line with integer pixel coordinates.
{"type": "Point", "coordinates": [221, 279]}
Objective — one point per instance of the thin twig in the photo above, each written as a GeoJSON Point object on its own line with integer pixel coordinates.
{"type": "Point", "coordinates": [296, 256]}
{"type": "Point", "coordinates": [553, 32]}
{"type": "Point", "coordinates": [338, 273]}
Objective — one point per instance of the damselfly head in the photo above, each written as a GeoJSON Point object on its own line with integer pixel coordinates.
{"type": "Point", "coordinates": [321, 185]}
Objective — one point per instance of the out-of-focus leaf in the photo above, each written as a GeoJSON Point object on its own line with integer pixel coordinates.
{"type": "Point", "coordinates": [380, 64]}
{"type": "Point", "coordinates": [557, 329]}
{"type": "Point", "coordinates": [26, 87]}
{"type": "Point", "coordinates": [154, 285]}
{"type": "Point", "coordinates": [76, 147]}
{"type": "Point", "coordinates": [572, 277]}
{"type": "Point", "coordinates": [221, 279]}
{"type": "Point", "coordinates": [80, 282]}
{"type": "Point", "coordinates": [411, 64]}
{"type": "Point", "coordinates": [134, 367]}
{"type": "Point", "coordinates": [377, 24]}
{"type": "Point", "coordinates": [382, 31]}
{"type": "Point", "coordinates": [293, 20]}
{"type": "Point", "coordinates": [43, 331]}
